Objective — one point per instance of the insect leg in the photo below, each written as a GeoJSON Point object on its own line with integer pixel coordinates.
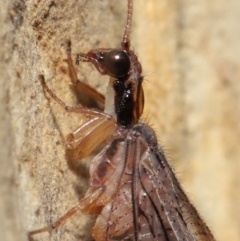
{"type": "Point", "coordinates": [73, 75]}
{"type": "Point", "coordinates": [91, 133]}
{"type": "Point", "coordinates": [88, 136]}
{"type": "Point", "coordinates": [83, 204]}
{"type": "Point", "coordinates": [79, 109]}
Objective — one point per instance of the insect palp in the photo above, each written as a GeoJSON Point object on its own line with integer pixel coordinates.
{"type": "Point", "coordinates": [81, 57]}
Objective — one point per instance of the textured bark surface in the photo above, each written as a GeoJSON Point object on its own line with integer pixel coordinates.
{"type": "Point", "coordinates": [190, 54]}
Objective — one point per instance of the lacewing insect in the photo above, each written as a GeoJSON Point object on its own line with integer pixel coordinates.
{"type": "Point", "coordinates": [132, 190]}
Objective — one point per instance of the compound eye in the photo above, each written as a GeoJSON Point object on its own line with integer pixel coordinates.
{"type": "Point", "coordinates": [117, 63]}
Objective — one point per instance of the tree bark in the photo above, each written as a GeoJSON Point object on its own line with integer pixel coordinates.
{"type": "Point", "coordinates": [190, 54]}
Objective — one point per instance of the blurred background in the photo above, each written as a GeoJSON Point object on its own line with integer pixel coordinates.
{"type": "Point", "coordinates": [190, 54]}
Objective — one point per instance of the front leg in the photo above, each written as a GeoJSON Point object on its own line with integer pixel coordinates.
{"type": "Point", "coordinates": [86, 94]}
{"type": "Point", "coordinates": [89, 135]}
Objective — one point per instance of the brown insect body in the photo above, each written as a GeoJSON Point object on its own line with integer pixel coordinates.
{"type": "Point", "coordinates": [133, 190]}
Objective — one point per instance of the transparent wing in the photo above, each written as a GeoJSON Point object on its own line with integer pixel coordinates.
{"type": "Point", "coordinates": [142, 200]}
{"type": "Point", "coordinates": [160, 216]}
{"type": "Point", "coordinates": [165, 211]}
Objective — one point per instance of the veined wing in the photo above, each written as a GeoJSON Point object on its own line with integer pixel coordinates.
{"type": "Point", "coordinates": [143, 200]}
{"type": "Point", "coordinates": [165, 212]}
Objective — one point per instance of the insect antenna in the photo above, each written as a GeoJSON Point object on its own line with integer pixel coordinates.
{"type": "Point", "coordinates": [125, 41]}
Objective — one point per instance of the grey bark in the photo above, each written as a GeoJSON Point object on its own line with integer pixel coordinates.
{"type": "Point", "coordinates": [190, 54]}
